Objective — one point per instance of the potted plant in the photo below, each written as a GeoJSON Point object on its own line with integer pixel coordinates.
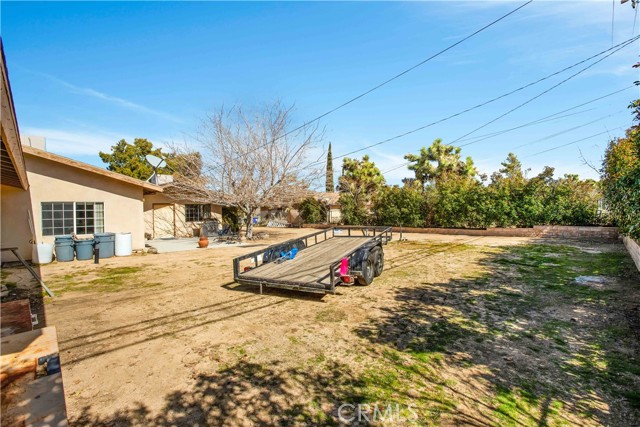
{"type": "Point", "coordinates": [203, 242]}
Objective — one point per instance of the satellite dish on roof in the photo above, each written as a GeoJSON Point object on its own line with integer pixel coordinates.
{"type": "Point", "coordinates": [154, 161]}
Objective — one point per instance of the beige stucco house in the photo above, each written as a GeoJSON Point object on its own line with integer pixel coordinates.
{"type": "Point", "coordinates": [166, 217]}
{"type": "Point", "coordinates": [291, 215]}
{"type": "Point", "coordinates": [332, 204]}
{"type": "Point", "coordinates": [283, 215]}
{"type": "Point", "coordinates": [58, 195]}
{"type": "Point", "coordinates": [66, 196]}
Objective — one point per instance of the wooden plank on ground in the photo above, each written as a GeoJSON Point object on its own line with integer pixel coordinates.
{"type": "Point", "coordinates": [15, 317]}
{"type": "Point", "coordinates": [27, 400]}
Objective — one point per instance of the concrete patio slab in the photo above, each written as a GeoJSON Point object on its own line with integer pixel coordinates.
{"type": "Point", "coordinates": [183, 244]}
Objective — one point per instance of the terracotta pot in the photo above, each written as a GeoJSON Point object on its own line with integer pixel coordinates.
{"type": "Point", "coordinates": [203, 242]}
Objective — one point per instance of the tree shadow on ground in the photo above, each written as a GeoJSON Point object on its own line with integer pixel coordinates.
{"type": "Point", "coordinates": [521, 343]}
{"type": "Point", "coordinates": [524, 343]}
{"type": "Point", "coordinates": [274, 291]}
{"type": "Point", "coordinates": [246, 394]}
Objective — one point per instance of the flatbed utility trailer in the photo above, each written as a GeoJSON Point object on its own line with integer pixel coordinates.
{"type": "Point", "coordinates": [317, 265]}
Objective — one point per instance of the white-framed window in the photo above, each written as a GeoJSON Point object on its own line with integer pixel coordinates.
{"type": "Point", "coordinates": [197, 212]}
{"type": "Point", "coordinates": [72, 217]}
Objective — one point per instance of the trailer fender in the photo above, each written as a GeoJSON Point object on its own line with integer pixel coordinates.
{"type": "Point", "coordinates": [356, 263]}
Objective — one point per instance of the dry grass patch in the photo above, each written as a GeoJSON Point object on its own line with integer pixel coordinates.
{"type": "Point", "coordinates": [470, 334]}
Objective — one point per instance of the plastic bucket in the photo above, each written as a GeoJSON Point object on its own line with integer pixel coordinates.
{"type": "Point", "coordinates": [64, 248]}
{"type": "Point", "coordinates": [42, 253]}
{"type": "Point", "coordinates": [107, 244]}
{"type": "Point", "coordinates": [84, 249]}
{"type": "Point", "coordinates": [123, 244]}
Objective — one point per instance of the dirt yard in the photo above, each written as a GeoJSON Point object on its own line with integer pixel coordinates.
{"type": "Point", "coordinates": [464, 331]}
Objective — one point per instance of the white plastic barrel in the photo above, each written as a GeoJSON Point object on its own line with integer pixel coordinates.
{"type": "Point", "coordinates": [42, 253]}
{"type": "Point", "coordinates": [123, 244]}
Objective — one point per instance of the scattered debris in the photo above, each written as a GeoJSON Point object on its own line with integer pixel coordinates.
{"type": "Point", "coordinates": [596, 282]}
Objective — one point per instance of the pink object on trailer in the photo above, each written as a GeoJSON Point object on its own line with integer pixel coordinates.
{"type": "Point", "coordinates": [344, 267]}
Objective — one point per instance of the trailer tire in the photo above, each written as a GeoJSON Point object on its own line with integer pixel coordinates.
{"type": "Point", "coordinates": [368, 270]}
{"type": "Point", "coordinates": [379, 261]}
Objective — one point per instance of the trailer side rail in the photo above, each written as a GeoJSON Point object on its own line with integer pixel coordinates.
{"type": "Point", "coordinates": [378, 235]}
{"type": "Point", "coordinates": [259, 253]}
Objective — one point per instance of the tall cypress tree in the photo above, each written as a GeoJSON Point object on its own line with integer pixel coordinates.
{"type": "Point", "coordinates": [329, 184]}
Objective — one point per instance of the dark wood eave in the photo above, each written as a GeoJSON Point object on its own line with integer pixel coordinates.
{"type": "Point", "coordinates": [13, 170]}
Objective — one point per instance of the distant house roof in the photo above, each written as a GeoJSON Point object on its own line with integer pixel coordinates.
{"type": "Point", "coordinates": [147, 186]}
{"type": "Point", "coordinates": [12, 167]}
{"type": "Point", "coordinates": [330, 198]}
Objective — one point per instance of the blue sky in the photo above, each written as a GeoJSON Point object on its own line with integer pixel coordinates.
{"type": "Point", "coordinates": [85, 75]}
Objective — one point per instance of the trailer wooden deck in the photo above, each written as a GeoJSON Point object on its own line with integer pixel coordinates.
{"type": "Point", "coordinates": [311, 265]}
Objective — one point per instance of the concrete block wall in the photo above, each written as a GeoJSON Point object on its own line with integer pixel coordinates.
{"type": "Point", "coordinates": [548, 231]}
{"type": "Point", "coordinates": [634, 249]}
{"type": "Point", "coordinates": [512, 232]}
{"type": "Point", "coordinates": [576, 232]}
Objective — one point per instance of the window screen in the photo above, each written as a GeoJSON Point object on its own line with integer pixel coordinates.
{"type": "Point", "coordinates": [197, 212]}
{"type": "Point", "coordinates": [89, 218]}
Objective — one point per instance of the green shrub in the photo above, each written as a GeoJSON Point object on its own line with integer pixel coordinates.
{"type": "Point", "coordinates": [353, 213]}
{"type": "Point", "coordinates": [459, 202]}
{"type": "Point", "coordinates": [312, 211]}
{"type": "Point", "coordinates": [400, 206]}
{"type": "Point", "coordinates": [621, 180]}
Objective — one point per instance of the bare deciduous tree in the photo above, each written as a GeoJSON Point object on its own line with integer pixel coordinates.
{"type": "Point", "coordinates": [248, 160]}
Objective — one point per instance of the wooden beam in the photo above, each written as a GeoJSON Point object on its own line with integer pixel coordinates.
{"type": "Point", "coordinates": [9, 127]}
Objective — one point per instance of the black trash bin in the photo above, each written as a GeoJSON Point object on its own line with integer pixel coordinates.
{"type": "Point", "coordinates": [107, 242]}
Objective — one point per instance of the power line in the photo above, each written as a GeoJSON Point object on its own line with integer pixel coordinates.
{"type": "Point", "coordinates": [494, 135]}
{"type": "Point", "coordinates": [570, 143]}
{"type": "Point", "coordinates": [623, 44]}
{"type": "Point", "coordinates": [562, 132]}
{"type": "Point", "coordinates": [535, 122]}
{"type": "Point", "coordinates": [435, 55]}
{"type": "Point", "coordinates": [544, 119]}
{"type": "Point", "coordinates": [396, 168]}
{"type": "Point", "coordinates": [616, 48]}
{"type": "Point", "coordinates": [613, 13]}
{"type": "Point", "coordinates": [549, 117]}
{"type": "Point", "coordinates": [344, 104]}
{"type": "Point", "coordinates": [530, 155]}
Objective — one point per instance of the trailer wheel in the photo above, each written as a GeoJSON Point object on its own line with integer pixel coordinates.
{"type": "Point", "coordinates": [379, 261]}
{"type": "Point", "coordinates": [368, 270]}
